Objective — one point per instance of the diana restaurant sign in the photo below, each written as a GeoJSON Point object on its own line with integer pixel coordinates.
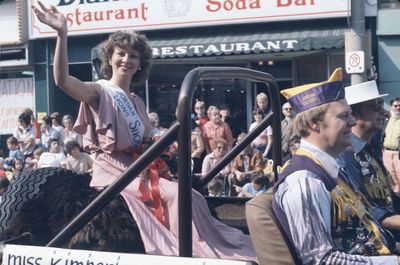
{"type": "Point", "coordinates": [101, 16]}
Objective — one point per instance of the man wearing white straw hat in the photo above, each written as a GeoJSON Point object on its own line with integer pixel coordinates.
{"type": "Point", "coordinates": [362, 161]}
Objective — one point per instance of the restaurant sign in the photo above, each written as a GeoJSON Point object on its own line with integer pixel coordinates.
{"type": "Point", "coordinates": [225, 48]}
{"type": "Point", "coordinates": [101, 16]}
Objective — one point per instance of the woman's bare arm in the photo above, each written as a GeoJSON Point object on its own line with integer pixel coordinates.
{"type": "Point", "coordinates": [82, 91]}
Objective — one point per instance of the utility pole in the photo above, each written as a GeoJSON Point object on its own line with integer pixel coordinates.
{"type": "Point", "coordinates": [355, 38]}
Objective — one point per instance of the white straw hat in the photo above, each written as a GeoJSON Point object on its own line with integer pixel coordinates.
{"type": "Point", "coordinates": [362, 92]}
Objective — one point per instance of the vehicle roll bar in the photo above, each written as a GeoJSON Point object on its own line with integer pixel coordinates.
{"type": "Point", "coordinates": [183, 114]}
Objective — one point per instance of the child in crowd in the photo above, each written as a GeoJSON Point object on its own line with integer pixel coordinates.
{"type": "Point", "coordinates": [33, 163]}
{"type": "Point", "coordinates": [256, 187]}
{"type": "Point", "coordinates": [13, 151]}
{"type": "Point", "coordinates": [215, 188]}
{"type": "Point", "coordinates": [18, 168]}
{"type": "Point", "coordinates": [77, 161]}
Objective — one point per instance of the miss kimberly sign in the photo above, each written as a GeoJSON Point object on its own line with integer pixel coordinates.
{"type": "Point", "coordinates": [28, 255]}
{"type": "Point", "coordinates": [101, 16]}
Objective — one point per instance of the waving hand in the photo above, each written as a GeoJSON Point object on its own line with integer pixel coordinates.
{"type": "Point", "coordinates": [51, 17]}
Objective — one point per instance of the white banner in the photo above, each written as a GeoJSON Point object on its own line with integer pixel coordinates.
{"type": "Point", "coordinates": [28, 255]}
{"type": "Point", "coordinates": [101, 16]}
{"type": "Point", "coordinates": [15, 95]}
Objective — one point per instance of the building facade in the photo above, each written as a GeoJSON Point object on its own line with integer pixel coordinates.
{"type": "Point", "coordinates": [295, 41]}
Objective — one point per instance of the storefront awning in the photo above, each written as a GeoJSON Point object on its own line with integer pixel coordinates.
{"type": "Point", "coordinates": [244, 40]}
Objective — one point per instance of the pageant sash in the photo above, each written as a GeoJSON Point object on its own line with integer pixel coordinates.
{"type": "Point", "coordinates": [128, 110]}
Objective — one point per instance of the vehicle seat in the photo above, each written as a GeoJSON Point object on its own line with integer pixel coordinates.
{"type": "Point", "coordinates": [270, 243]}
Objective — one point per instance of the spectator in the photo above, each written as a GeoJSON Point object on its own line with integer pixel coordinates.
{"type": "Point", "coordinates": [48, 132]}
{"type": "Point", "coordinates": [216, 128]}
{"type": "Point", "coordinates": [391, 143]}
{"type": "Point", "coordinates": [33, 163]}
{"type": "Point", "coordinates": [210, 111]}
{"type": "Point", "coordinates": [256, 187]}
{"type": "Point", "coordinates": [77, 161]}
{"type": "Point", "coordinates": [201, 117]}
{"type": "Point", "coordinates": [197, 147]}
{"type": "Point", "coordinates": [52, 158]}
{"type": "Point", "coordinates": [263, 142]}
{"type": "Point", "coordinates": [156, 130]}
{"type": "Point", "coordinates": [244, 168]}
{"type": "Point", "coordinates": [215, 188]}
{"type": "Point", "coordinates": [226, 116]}
{"type": "Point", "coordinates": [17, 168]}
{"type": "Point", "coordinates": [68, 133]}
{"type": "Point", "coordinates": [13, 151]}
{"type": "Point", "coordinates": [262, 103]}
{"type": "Point", "coordinates": [26, 135]}
{"type": "Point", "coordinates": [34, 123]}
{"type": "Point", "coordinates": [219, 150]}
{"type": "Point", "coordinates": [56, 121]}
{"type": "Point", "coordinates": [287, 127]}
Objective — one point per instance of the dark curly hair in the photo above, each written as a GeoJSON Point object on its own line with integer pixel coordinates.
{"type": "Point", "coordinates": [124, 39]}
{"type": "Point", "coordinates": [70, 145]}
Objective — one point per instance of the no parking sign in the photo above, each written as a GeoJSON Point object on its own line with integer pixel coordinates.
{"type": "Point", "coordinates": [355, 62]}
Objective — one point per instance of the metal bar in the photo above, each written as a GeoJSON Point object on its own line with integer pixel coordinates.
{"type": "Point", "coordinates": [236, 150]}
{"type": "Point", "coordinates": [183, 116]}
{"type": "Point", "coordinates": [115, 188]}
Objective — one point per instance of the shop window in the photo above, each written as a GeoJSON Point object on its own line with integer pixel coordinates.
{"type": "Point", "coordinates": [311, 69]}
{"type": "Point", "coordinates": [164, 86]}
{"type": "Point", "coordinates": [278, 69]}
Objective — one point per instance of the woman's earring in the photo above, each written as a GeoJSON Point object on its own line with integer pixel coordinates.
{"type": "Point", "coordinates": [140, 68]}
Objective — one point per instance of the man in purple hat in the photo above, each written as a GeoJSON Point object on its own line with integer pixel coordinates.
{"type": "Point", "coordinates": [324, 219]}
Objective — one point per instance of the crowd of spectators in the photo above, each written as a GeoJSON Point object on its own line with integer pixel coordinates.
{"type": "Point", "coordinates": [48, 142]}
{"type": "Point", "coordinates": [52, 142]}
{"type": "Point", "coordinates": [250, 173]}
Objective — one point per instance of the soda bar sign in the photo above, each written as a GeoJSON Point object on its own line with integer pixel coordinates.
{"type": "Point", "coordinates": [101, 16]}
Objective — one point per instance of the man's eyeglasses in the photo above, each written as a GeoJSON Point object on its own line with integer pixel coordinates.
{"type": "Point", "coordinates": [377, 105]}
{"type": "Point", "coordinates": [288, 109]}
{"type": "Point", "coordinates": [396, 106]}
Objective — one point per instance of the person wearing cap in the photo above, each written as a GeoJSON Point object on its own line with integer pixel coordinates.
{"type": "Point", "coordinates": [322, 217]}
{"type": "Point", "coordinates": [362, 161]}
{"type": "Point", "coordinates": [391, 143]}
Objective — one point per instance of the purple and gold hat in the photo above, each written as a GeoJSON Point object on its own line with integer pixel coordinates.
{"type": "Point", "coordinates": [312, 95]}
